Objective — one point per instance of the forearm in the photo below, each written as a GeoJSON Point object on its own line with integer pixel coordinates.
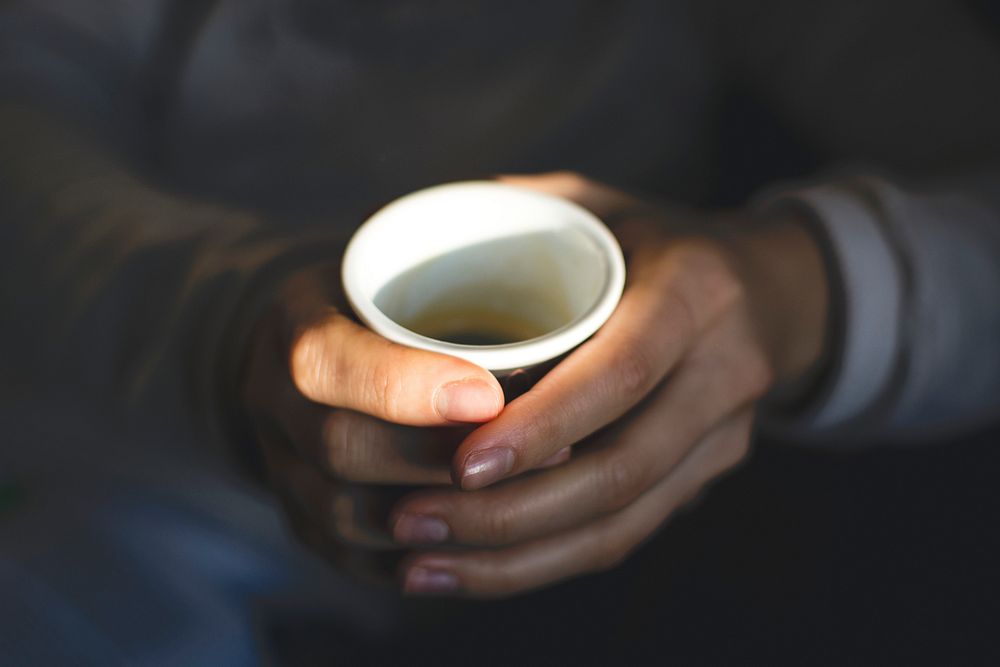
{"type": "Point", "coordinates": [116, 289]}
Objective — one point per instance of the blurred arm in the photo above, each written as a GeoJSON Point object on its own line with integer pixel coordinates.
{"type": "Point", "coordinates": [909, 91]}
{"type": "Point", "coordinates": [112, 289]}
{"type": "Point", "coordinates": [915, 351]}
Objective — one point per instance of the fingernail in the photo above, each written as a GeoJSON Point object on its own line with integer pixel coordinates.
{"type": "Point", "coordinates": [417, 529]}
{"type": "Point", "coordinates": [467, 401]}
{"type": "Point", "coordinates": [423, 580]}
{"type": "Point", "coordinates": [559, 457]}
{"type": "Point", "coordinates": [485, 467]}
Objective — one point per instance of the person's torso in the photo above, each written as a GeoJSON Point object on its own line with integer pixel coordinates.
{"type": "Point", "coordinates": [304, 108]}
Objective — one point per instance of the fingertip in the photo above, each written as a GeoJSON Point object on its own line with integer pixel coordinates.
{"type": "Point", "coordinates": [471, 399]}
{"type": "Point", "coordinates": [484, 467]}
{"type": "Point", "coordinates": [426, 581]}
{"type": "Point", "coordinates": [419, 529]}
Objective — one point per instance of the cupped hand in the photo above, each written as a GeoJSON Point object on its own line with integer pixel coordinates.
{"type": "Point", "coordinates": [661, 401]}
{"type": "Point", "coordinates": [346, 419]}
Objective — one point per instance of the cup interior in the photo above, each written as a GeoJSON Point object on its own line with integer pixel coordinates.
{"type": "Point", "coordinates": [487, 258]}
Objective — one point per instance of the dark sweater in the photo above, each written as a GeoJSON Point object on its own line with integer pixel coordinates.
{"type": "Point", "coordinates": [212, 147]}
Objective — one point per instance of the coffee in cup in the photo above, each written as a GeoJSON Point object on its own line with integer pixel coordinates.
{"type": "Point", "coordinates": [507, 278]}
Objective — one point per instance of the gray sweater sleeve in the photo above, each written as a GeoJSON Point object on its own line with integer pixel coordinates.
{"type": "Point", "coordinates": [112, 288]}
{"type": "Point", "coordinates": [913, 238]}
{"type": "Point", "coordinates": [916, 349]}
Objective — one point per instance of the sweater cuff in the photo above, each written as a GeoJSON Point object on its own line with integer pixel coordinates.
{"type": "Point", "coordinates": [867, 289]}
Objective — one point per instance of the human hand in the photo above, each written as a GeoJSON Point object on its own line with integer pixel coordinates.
{"type": "Point", "coordinates": [345, 418]}
{"type": "Point", "coordinates": [657, 404]}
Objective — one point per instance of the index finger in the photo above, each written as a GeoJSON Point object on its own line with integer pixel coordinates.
{"type": "Point", "coordinates": [642, 341]}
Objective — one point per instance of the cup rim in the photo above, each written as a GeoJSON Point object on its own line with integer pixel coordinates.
{"type": "Point", "coordinates": [508, 356]}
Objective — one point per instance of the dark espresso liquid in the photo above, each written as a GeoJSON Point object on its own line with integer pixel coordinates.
{"type": "Point", "coordinates": [474, 326]}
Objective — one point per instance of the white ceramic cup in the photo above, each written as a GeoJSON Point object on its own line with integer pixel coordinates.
{"type": "Point", "coordinates": [485, 244]}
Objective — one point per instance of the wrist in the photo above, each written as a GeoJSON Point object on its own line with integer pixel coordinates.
{"type": "Point", "coordinates": [787, 284]}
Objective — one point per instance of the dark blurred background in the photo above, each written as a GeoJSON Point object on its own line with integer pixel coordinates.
{"type": "Point", "coordinates": [803, 556]}
{"type": "Point", "coordinates": [884, 556]}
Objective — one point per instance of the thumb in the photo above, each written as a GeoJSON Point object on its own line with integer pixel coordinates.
{"type": "Point", "coordinates": [339, 363]}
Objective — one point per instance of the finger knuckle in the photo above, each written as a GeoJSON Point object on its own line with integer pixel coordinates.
{"type": "Point", "coordinates": [723, 284]}
{"type": "Point", "coordinates": [677, 314]}
{"type": "Point", "coordinates": [621, 482]}
{"type": "Point", "coordinates": [634, 372]}
{"type": "Point", "coordinates": [555, 427]}
{"type": "Point", "coordinates": [309, 364]}
{"type": "Point", "coordinates": [343, 441]}
{"type": "Point", "coordinates": [707, 264]}
{"type": "Point", "coordinates": [499, 522]}
{"type": "Point", "coordinates": [385, 391]}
